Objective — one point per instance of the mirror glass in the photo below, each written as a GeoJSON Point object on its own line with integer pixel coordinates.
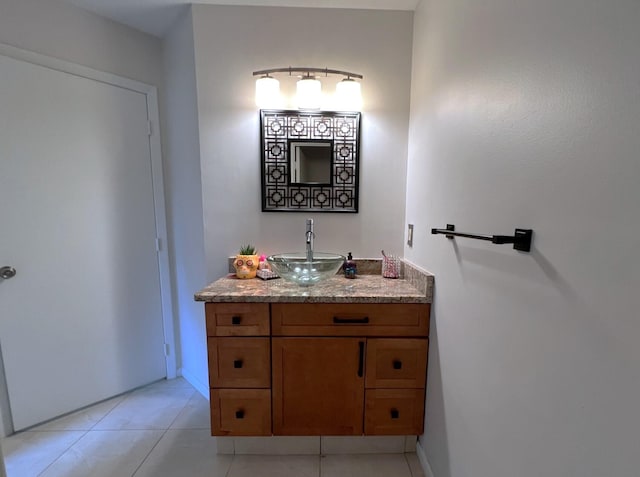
{"type": "Point", "coordinates": [310, 162]}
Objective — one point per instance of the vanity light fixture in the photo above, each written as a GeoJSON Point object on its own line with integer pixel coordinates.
{"type": "Point", "coordinates": [348, 95]}
{"type": "Point", "coordinates": [267, 92]}
{"type": "Point", "coordinates": [308, 92]}
{"type": "Point", "coordinates": [308, 89]}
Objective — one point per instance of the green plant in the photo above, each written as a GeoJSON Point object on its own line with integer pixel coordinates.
{"type": "Point", "coordinates": [247, 250]}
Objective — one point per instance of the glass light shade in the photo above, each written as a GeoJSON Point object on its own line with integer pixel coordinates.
{"type": "Point", "coordinates": [308, 93]}
{"type": "Point", "coordinates": [267, 93]}
{"type": "Point", "coordinates": [348, 95]}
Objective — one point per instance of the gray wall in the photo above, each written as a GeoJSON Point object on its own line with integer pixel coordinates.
{"type": "Point", "coordinates": [184, 198]}
{"type": "Point", "coordinates": [60, 30]}
{"type": "Point", "coordinates": [69, 33]}
{"type": "Point", "coordinates": [230, 43]}
{"type": "Point", "coordinates": [525, 114]}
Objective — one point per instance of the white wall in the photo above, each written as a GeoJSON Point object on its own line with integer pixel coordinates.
{"type": "Point", "coordinates": [232, 42]}
{"type": "Point", "coordinates": [69, 33]}
{"type": "Point", "coordinates": [526, 114]}
{"type": "Point", "coordinates": [184, 198]}
{"type": "Point", "coordinates": [63, 31]}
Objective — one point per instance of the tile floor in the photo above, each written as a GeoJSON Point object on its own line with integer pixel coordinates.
{"type": "Point", "coordinates": [162, 430]}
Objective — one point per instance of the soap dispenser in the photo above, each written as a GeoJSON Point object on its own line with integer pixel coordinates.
{"type": "Point", "coordinates": [349, 267]}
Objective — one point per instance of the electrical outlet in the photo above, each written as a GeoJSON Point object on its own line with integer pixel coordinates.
{"type": "Point", "coordinates": [410, 236]}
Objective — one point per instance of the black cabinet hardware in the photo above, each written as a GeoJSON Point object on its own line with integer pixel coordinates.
{"type": "Point", "coordinates": [395, 414]}
{"type": "Point", "coordinates": [240, 414]}
{"type": "Point", "coordinates": [235, 320]}
{"type": "Point", "coordinates": [361, 359]}
{"type": "Point", "coordinates": [397, 364]}
{"type": "Point", "coordinates": [350, 321]}
{"type": "Point", "coordinates": [237, 363]}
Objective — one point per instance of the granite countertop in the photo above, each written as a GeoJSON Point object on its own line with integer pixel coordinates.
{"type": "Point", "coordinates": [416, 287]}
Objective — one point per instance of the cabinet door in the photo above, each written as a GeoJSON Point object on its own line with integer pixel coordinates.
{"type": "Point", "coordinates": [318, 386]}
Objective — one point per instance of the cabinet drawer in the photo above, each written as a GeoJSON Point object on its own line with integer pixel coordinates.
{"type": "Point", "coordinates": [346, 319]}
{"type": "Point", "coordinates": [239, 362]}
{"type": "Point", "coordinates": [237, 319]}
{"type": "Point", "coordinates": [396, 363]}
{"type": "Point", "coordinates": [394, 411]}
{"type": "Point", "coordinates": [240, 412]}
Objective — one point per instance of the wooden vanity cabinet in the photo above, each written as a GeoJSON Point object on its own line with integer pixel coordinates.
{"type": "Point", "coordinates": [317, 369]}
{"type": "Point", "coordinates": [327, 357]}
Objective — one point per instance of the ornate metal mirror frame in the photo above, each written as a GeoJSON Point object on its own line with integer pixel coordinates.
{"type": "Point", "coordinates": [278, 130]}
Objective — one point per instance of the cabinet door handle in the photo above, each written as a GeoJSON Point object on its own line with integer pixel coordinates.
{"type": "Point", "coordinates": [350, 321]}
{"type": "Point", "coordinates": [395, 414]}
{"type": "Point", "coordinates": [237, 363]}
{"type": "Point", "coordinates": [397, 364]}
{"type": "Point", "coordinates": [361, 359]}
{"type": "Point", "coordinates": [240, 414]}
{"type": "Point", "coordinates": [235, 320]}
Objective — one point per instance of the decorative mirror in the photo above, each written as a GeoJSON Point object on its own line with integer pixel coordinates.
{"type": "Point", "coordinates": [309, 161]}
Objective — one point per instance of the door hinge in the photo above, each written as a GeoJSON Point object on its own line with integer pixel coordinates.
{"type": "Point", "coordinates": [149, 128]}
{"type": "Point", "coordinates": [167, 349]}
{"type": "Point", "coordinates": [157, 244]}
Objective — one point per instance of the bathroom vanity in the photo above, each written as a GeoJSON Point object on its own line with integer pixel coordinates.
{"type": "Point", "coordinates": [344, 357]}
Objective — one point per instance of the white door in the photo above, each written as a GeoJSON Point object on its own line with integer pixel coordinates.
{"type": "Point", "coordinates": [81, 320]}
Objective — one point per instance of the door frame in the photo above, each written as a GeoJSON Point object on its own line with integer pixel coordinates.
{"type": "Point", "coordinates": [157, 177]}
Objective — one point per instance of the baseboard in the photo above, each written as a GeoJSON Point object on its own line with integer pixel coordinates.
{"type": "Point", "coordinates": [424, 463]}
{"type": "Point", "coordinates": [202, 388]}
{"type": "Point", "coordinates": [315, 445]}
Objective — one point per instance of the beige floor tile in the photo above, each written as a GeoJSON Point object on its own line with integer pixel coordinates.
{"type": "Point", "coordinates": [82, 420]}
{"type": "Point", "coordinates": [383, 465]}
{"type": "Point", "coordinates": [195, 415]}
{"type": "Point", "coordinates": [28, 453]}
{"type": "Point", "coordinates": [147, 408]}
{"type": "Point", "coordinates": [274, 466]}
{"type": "Point", "coordinates": [105, 454]}
{"type": "Point", "coordinates": [414, 465]}
{"type": "Point", "coordinates": [185, 453]}
{"type": "Point", "coordinates": [178, 382]}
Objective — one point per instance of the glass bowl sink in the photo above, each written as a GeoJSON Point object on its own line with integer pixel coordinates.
{"type": "Point", "coordinates": [296, 268]}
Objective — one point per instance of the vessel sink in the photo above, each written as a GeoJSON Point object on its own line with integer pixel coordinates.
{"type": "Point", "coordinates": [296, 268]}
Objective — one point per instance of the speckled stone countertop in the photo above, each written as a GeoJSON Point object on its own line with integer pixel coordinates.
{"type": "Point", "coordinates": [417, 287]}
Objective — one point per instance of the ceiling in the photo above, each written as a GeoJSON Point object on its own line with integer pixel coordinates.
{"type": "Point", "coordinates": [156, 16]}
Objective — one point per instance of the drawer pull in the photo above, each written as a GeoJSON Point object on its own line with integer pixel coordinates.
{"type": "Point", "coordinates": [235, 320]}
{"type": "Point", "coordinates": [240, 414]}
{"type": "Point", "coordinates": [237, 363]}
{"type": "Point", "coordinates": [361, 359]}
{"type": "Point", "coordinates": [397, 364]}
{"type": "Point", "coordinates": [395, 414]}
{"type": "Point", "coordinates": [350, 321]}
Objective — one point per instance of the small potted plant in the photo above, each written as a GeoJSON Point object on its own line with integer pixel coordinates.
{"type": "Point", "coordinates": [246, 262]}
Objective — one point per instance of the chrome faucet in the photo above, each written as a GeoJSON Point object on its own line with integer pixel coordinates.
{"type": "Point", "coordinates": [309, 236]}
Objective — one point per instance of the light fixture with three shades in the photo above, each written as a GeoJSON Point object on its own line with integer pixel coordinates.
{"type": "Point", "coordinates": [308, 88]}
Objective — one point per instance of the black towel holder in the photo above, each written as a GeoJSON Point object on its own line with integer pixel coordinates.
{"type": "Point", "coordinates": [521, 239]}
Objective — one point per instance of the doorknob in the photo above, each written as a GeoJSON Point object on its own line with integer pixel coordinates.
{"type": "Point", "coordinates": [7, 272]}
